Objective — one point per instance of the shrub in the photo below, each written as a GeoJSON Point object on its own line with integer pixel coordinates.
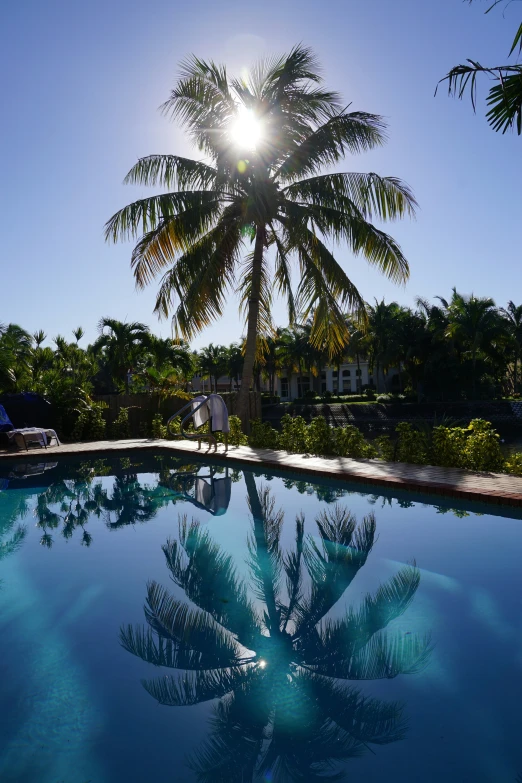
{"type": "Point", "coordinates": [159, 430]}
{"type": "Point", "coordinates": [513, 464]}
{"type": "Point", "coordinates": [293, 434]}
{"type": "Point", "coordinates": [482, 450]}
{"type": "Point", "coordinates": [411, 444]}
{"type": "Point", "coordinates": [90, 424]}
{"type": "Point", "coordinates": [447, 446]}
{"type": "Point", "coordinates": [263, 436]}
{"type": "Point", "coordinates": [369, 393]}
{"type": "Point", "coordinates": [350, 442]}
{"type": "Point", "coordinates": [385, 448]}
{"type": "Point", "coordinates": [327, 395]}
{"type": "Point", "coordinates": [384, 398]}
{"type": "Point", "coordinates": [120, 428]}
{"type": "Point", "coordinates": [236, 436]}
{"type": "Point", "coordinates": [310, 394]}
{"type": "Point", "coordinates": [319, 436]}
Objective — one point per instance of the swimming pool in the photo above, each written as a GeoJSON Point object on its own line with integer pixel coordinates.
{"type": "Point", "coordinates": [166, 621]}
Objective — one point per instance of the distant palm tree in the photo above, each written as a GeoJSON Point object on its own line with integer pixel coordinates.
{"type": "Point", "coordinates": [121, 344]}
{"type": "Point", "coordinates": [266, 139]}
{"type": "Point", "coordinates": [382, 326]}
{"type": "Point", "coordinates": [129, 503]}
{"type": "Point", "coordinates": [278, 667]}
{"type": "Point", "coordinates": [213, 362]}
{"type": "Point", "coordinates": [15, 357]}
{"type": "Point", "coordinates": [513, 318]}
{"type": "Point", "coordinates": [234, 363]}
{"type": "Point", "coordinates": [170, 354]}
{"type": "Point", "coordinates": [475, 325]}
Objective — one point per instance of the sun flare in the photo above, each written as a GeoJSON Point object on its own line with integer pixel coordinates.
{"type": "Point", "coordinates": [245, 130]}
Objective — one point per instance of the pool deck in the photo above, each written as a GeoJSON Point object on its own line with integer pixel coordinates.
{"type": "Point", "coordinates": [486, 487]}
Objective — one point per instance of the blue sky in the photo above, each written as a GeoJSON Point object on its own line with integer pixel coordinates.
{"type": "Point", "coordinates": [81, 87]}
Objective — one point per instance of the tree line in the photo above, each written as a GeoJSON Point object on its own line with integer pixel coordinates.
{"type": "Point", "coordinates": [463, 347]}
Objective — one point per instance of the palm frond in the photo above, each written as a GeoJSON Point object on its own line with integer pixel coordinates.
{"type": "Point", "coordinates": [352, 132]}
{"type": "Point", "coordinates": [194, 629]}
{"type": "Point", "coordinates": [14, 543]}
{"type": "Point", "coordinates": [160, 651]}
{"type": "Point", "coordinates": [148, 214]}
{"type": "Point", "coordinates": [344, 549]}
{"type": "Point", "coordinates": [200, 279]}
{"type": "Point", "coordinates": [385, 198]}
{"type": "Point", "coordinates": [210, 580]}
{"type": "Point", "coordinates": [244, 290]}
{"type": "Point", "coordinates": [293, 567]}
{"type": "Point", "coordinates": [367, 720]}
{"type": "Point", "coordinates": [196, 687]}
{"type": "Point", "coordinates": [385, 656]}
{"type": "Point", "coordinates": [172, 171]}
{"type": "Point", "coordinates": [265, 560]}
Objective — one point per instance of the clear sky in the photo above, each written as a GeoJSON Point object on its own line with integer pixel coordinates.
{"type": "Point", "coordinates": [81, 83]}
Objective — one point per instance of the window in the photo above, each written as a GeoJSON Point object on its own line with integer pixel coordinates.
{"type": "Point", "coordinates": [284, 387]}
{"type": "Point", "coordinates": [303, 385]}
{"type": "Point", "coordinates": [335, 385]}
{"type": "Point", "coordinates": [347, 386]}
{"type": "Point", "coordinates": [323, 376]}
{"type": "Point", "coordinates": [358, 372]}
{"type": "Point", "coordinates": [346, 373]}
{"type": "Point", "coordinates": [323, 387]}
{"type": "Point", "coordinates": [335, 373]}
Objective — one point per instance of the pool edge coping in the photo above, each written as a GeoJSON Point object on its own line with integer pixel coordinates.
{"type": "Point", "coordinates": [487, 487]}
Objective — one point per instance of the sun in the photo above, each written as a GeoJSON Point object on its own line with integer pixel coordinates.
{"type": "Point", "coordinates": [245, 130]}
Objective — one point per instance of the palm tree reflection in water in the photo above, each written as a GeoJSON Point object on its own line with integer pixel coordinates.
{"type": "Point", "coordinates": [285, 711]}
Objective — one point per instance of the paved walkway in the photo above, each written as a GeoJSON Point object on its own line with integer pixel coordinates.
{"type": "Point", "coordinates": [454, 482]}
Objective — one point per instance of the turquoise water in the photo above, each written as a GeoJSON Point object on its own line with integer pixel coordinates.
{"type": "Point", "coordinates": [168, 622]}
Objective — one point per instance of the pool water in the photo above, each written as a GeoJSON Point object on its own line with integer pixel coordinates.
{"type": "Point", "coordinates": [170, 622]}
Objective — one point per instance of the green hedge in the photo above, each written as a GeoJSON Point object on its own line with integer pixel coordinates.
{"type": "Point", "coordinates": [476, 447]}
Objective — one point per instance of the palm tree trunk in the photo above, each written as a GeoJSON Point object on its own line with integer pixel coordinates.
{"type": "Point", "coordinates": [252, 329]}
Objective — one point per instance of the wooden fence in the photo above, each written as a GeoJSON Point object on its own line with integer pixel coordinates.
{"type": "Point", "coordinates": [143, 407]}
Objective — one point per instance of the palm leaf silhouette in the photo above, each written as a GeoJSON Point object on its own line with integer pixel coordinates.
{"type": "Point", "coordinates": [282, 711]}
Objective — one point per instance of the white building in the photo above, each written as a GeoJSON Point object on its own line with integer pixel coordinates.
{"type": "Point", "coordinates": [346, 379]}
{"type": "Point", "coordinates": [349, 378]}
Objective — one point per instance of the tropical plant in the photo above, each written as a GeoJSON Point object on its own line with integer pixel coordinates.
{"type": "Point", "coordinates": [213, 362]}
{"type": "Point", "coordinates": [474, 324]}
{"type": "Point", "coordinates": [279, 666]}
{"type": "Point", "coordinates": [266, 138]}
{"type": "Point", "coordinates": [121, 344]}
{"type": "Point", "coordinates": [15, 356]}
{"type": "Point", "coordinates": [505, 96]}
{"type": "Point", "coordinates": [513, 322]}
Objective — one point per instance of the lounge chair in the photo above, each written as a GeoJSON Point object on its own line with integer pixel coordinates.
{"type": "Point", "coordinates": [23, 437]}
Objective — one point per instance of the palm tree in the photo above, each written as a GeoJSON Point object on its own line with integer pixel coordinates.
{"type": "Point", "coordinates": [171, 353]}
{"type": "Point", "coordinates": [382, 329]}
{"type": "Point", "coordinates": [15, 357]}
{"type": "Point", "coordinates": [213, 361]}
{"type": "Point", "coordinates": [234, 363]}
{"type": "Point", "coordinates": [266, 140]}
{"type": "Point", "coordinates": [513, 318]}
{"type": "Point", "coordinates": [357, 347]}
{"type": "Point", "coordinates": [129, 503]}
{"type": "Point", "coordinates": [121, 344]}
{"type": "Point", "coordinates": [279, 667]}
{"type": "Point", "coordinates": [68, 505]}
{"type": "Point", "coordinates": [474, 323]}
